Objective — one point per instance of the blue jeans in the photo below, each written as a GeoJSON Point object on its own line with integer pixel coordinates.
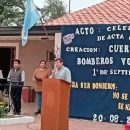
{"type": "Point", "coordinates": [39, 100]}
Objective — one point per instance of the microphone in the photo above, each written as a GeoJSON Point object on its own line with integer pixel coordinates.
{"type": "Point", "coordinates": [53, 73]}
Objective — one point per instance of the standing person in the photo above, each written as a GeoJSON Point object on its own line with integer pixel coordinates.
{"type": "Point", "coordinates": [16, 77]}
{"type": "Point", "coordinates": [60, 71]}
{"type": "Point", "coordinates": [38, 76]}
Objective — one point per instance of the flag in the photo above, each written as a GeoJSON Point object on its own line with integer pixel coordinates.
{"type": "Point", "coordinates": [31, 17]}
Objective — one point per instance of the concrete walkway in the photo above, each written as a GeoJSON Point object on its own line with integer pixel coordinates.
{"type": "Point", "coordinates": [74, 124]}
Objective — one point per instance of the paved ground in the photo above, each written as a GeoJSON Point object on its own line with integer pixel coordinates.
{"type": "Point", "coordinates": [74, 124]}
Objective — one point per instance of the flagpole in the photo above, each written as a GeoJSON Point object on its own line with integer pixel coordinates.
{"type": "Point", "coordinates": [42, 23]}
{"type": "Point", "coordinates": [69, 5]}
{"type": "Point", "coordinates": [44, 28]}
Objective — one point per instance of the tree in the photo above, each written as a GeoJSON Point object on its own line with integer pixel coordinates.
{"type": "Point", "coordinates": [53, 9]}
{"type": "Point", "coordinates": [12, 12]}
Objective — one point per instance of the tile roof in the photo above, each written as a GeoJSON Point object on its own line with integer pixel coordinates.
{"type": "Point", "coordinates": [107, 12]}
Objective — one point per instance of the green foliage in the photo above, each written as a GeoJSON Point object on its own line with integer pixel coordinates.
{"type": "Point", "coordinates": [53, 9]}
{"type": "Point", "coordinates": [3, 109]}
{"type": "Point", "coordinates": [12, 13]}
{"type": "Point", "coordinates": [7, 2]}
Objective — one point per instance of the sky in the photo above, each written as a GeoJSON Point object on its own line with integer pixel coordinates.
{"type": "Point", "coordinates": [80, 4]}
{"type": "Point", "coordinates": [75, 4]}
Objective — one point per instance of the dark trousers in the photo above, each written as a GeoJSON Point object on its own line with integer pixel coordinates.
{"type": "Point", "coordinates": [16, 98]}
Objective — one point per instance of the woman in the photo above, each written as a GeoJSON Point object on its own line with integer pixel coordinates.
{"type": "Point", "coordinates": [38, 76]}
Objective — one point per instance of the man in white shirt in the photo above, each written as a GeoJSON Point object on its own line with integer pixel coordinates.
{"type": "Point", "coordinates": [60, 71]}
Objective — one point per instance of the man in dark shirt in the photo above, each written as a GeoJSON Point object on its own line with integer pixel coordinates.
{"type": "Point", "coordinates": [16, 77]}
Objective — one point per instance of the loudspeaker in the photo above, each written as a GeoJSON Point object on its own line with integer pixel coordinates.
{"type": "Point", "coordinates": [50, 55]}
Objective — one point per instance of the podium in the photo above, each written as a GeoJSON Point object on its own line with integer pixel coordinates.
{"type": "Point", "coordinates": [55, 109]}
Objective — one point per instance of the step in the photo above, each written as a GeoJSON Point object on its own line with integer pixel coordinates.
{"type": "Point", "coordinates": [17, 120]}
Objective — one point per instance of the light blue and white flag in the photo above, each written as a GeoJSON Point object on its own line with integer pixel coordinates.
{"type": "Point", "coordinates": [31, 17]}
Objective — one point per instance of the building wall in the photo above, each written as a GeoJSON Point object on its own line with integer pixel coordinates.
{"type": "Point", "coordinates": [30, 55]}
{"type": "Point", "coordinates": [58, 44]}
